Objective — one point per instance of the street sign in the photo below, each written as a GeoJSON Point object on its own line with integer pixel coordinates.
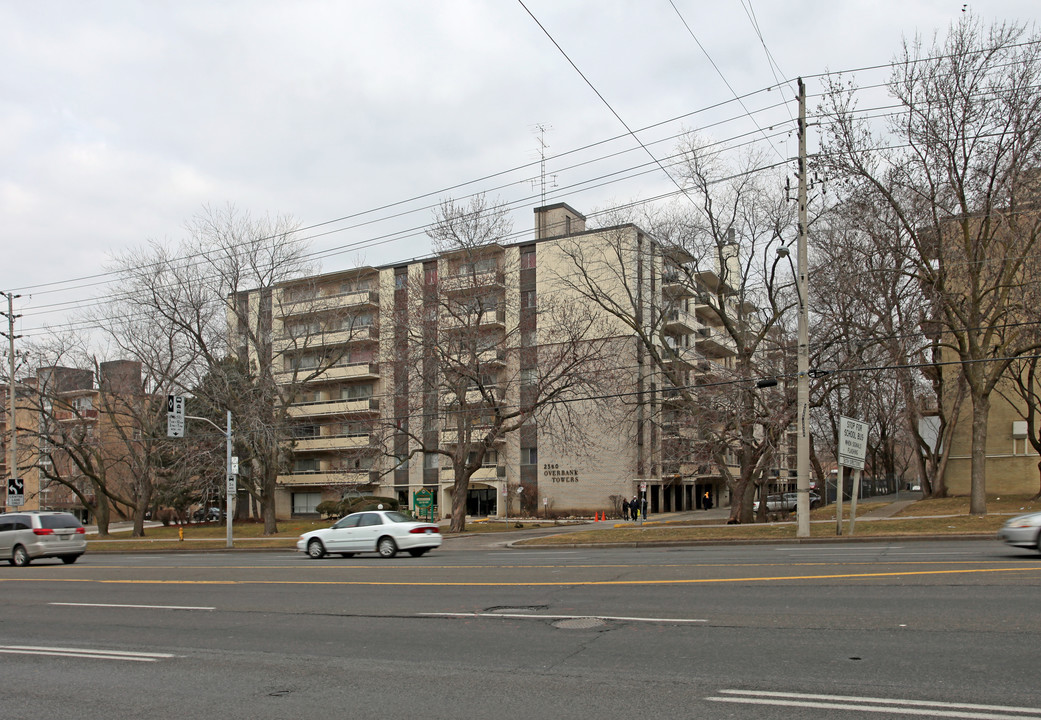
{"type": "Point", "coordinates": [234, 464]}
{"type": "Point", "coordinates": [15, 492]}
{"type": "Point", "coordinates": [232, 489]}
{"type": "Point", "coordinates": [175, 416]}
{"type": "Point", "coordinates": [852, 442]}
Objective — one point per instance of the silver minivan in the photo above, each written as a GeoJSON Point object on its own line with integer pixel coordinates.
{"type": "Point", "coordinates": [26, 536]}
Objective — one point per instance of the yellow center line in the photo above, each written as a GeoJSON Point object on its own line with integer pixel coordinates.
{"type": "Point", "coordinates": [329, 567]}
{"type": "Point", "coordinates": [556, 583]}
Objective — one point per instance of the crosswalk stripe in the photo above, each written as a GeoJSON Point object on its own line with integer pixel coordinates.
{"type": "Point", "coordinates": [854, 703]}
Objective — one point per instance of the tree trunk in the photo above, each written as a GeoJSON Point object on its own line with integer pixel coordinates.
{"type": "Point", "coordinates": [980, 412]}
{"type": "Point", "coordinates": [101, 512]}
{"type": "Point", "coordinates": [1038, 496]}
{"type": "Point", "coordinates": [143, 500]}
{"type": "Point", "coordinates": [459, 487]}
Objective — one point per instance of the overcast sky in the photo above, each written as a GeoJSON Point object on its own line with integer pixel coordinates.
{"type": "Point", "coordinates": [121, 120]}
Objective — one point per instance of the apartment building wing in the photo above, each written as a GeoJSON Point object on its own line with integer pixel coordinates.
{"type": "Point", "coordinates": [361, 397]}
{"type": "Point", "coordinates": [60, 411]}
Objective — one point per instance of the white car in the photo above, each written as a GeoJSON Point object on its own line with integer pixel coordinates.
{"type": "Point", "coordinates": [382, 531]}
{"type": "Point", "coordinates": [1023, 531]}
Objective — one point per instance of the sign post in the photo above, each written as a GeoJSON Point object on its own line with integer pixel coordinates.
{"type": "Point", "coordinates": [851, 451]}
{"type": "Point", "coordinates": [175, 424]}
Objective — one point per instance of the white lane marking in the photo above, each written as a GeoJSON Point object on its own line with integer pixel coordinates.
{"type": "Point", "coordinates": [150, 607]}
{"type": "Point", "coordinates": [879, 705]}
{"type": "Point", "coordinates": [531, 616]}
{"type": "Point", "coordinates": [84, 653]}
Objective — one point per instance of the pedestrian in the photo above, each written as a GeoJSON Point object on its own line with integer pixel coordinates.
{"type": "Point", "coordinates": [625, 509]}
{"type": "Point", "coordinates": [634, 508]}
{"type": "Point", "coordinates": [706, 502]}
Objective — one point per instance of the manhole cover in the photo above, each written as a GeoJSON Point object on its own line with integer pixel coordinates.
{"type": "Point", "coordinates": [579, 623]}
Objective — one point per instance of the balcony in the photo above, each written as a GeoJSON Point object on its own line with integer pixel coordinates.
{"type": "Point", "coordinates": [333, 407]}
{"type": "Point", "coordinates": [65, 415]}
{"type": "Point", "coordinates": [319, 339]}
{"type": "Point", "coordinates": [686, 356]}
{"type": "Point", "coordinates": [331, 442]}
{"type": "Point", "coordinates": [681, 321]}
{"type": "Point", "coordinates": [473, 281]}
{"type": "Point", "coordinates": [356, 299]}
{"type": "Point", "coordinates": [674, 284]}
{"type": "Point", "coordinates": [715, 342]}
{"type": "Point", "coordinates": [353, 371]}
{"type": "Point", "coordinates": [485, 473]}
{"type": "Point", "coordinates": [492, 318]}
{"type": "Point", "coordinates": [353, 477]}
{"type": "Point", "coordinates": [495, 356]}
{"type": "Point", "coordinates": [448, 437]}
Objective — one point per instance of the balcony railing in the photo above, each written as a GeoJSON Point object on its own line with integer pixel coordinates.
{"type": "Point", "coordinates": [334, 407]}
{"type": "Point", "coordinates": [332, 442]}
{"type": "Point", "coordinates": [356, 298]}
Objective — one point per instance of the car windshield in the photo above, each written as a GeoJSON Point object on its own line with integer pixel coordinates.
{"type": "Point", "coordinates": [395, 516]}
{"type": "Point", "coordinates": [59, 521]}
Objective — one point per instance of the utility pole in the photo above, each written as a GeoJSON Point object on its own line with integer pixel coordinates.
{"type": "Point", "coordinates": [802, 466]}
{"type": "Point", "coordinates": [11, 337]}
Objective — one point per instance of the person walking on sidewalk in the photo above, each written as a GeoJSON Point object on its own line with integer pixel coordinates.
{"type": "Point", "coordinates": [706, 501]}
{"type": "Point", "coordinates": [634, 508]}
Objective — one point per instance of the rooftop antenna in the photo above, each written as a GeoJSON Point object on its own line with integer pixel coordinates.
{"type": "Point", "coordinates": [540, 129]}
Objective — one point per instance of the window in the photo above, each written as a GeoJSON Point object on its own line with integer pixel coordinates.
{"type": "Point", "coordinates": [356, 392]}
{"type": "Point", "coordinates": [430, 275]}
{"type": "Point", "coordinates": [528, 376]}
{"type": "Point", "coordinates": [527, 259]}
{"type": "Point", "coordinates": [306, 431]}
{"type": "Point", "coordinates": [529, 456]}
{"type": "Point", "coordinates": [355, 285]}
{"type": "Point", "coordinates": [400, 279]}
{"type": "Point", "coordinates": [431, 460]}
{"type": "Point", "coordinates": [370, 519]}
{"type": "Point", "coordinates": [528, 298]}
{"type": "Point", "coordinates": [305, 465]}
{"type": "Point", "coordinates": [301, 362]}
{"type": "Point", "coordinates": [490, 459]}
{"type": "Point", "coordinates": [305, 503]}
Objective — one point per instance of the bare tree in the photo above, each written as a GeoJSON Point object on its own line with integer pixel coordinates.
{"type": "Point", "coordinates": [473, 360]}
{"type": "Point", "coordinates": [958, 170]}
{"type": "Point", "coordinates": [715, 327]}
{"type": "Point", "coordinates": [219, 296]}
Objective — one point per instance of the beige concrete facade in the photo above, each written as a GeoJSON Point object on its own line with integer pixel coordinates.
{"type": "Point", "coordinates": [353, 322]}
{"type": "Point", "coordinates": [1012, 462]}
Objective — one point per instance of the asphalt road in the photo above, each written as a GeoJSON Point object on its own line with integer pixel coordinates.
{"type": "Point", "coordinates": [927, 629]}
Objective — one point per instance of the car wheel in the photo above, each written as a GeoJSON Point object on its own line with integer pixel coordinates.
{"type": "Point", "coordinates": [20, 557]}
{"type": "Point", "coordinates": [1038, 544]}
{"type": "Point", "coordinates": [416, 552]}
{"type": "Point", "coordinates": [387, 547]}
{"type": "Point", "coordinates": [69, 559]}
{"type": "Point", "coordinates": [346, 554]}
{"type": "Point", "coordinates": [315, 549]}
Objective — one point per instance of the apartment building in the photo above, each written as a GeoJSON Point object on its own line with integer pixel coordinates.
{"type": "Point", "coordinates": [359, 351]}
{"type": "Point", "coordinates": [62, 412]}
